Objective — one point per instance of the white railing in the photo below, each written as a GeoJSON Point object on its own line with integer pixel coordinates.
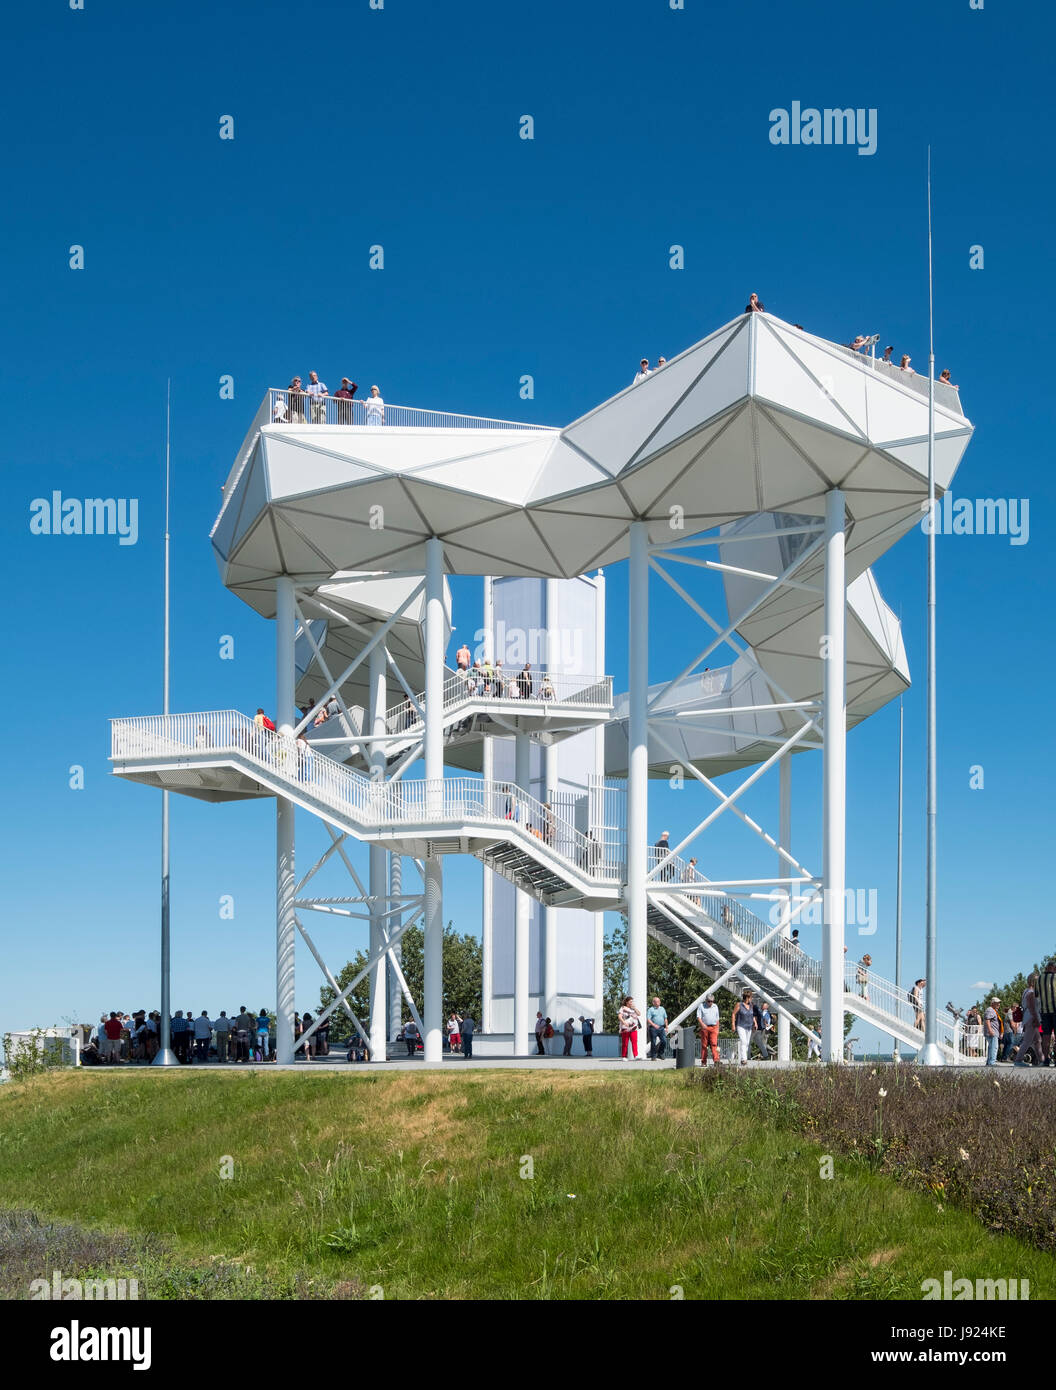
{"type": "Point", "coordinates": [374, 805]}
{"type": "Point", "coordinates": [894, 1001]}
{"type": "Point", "coordinates": [469, 799]}
{"type": "Point", "coordinates": [946, 394]}
{"type": "Point", "coordinates": [731, 914]}
{"type": "Point", "coordinates": [547, 690]}
{"type": "Point", "coordinates": [872, 989]}
{"type": "Point", "coordinates": [286, 407]}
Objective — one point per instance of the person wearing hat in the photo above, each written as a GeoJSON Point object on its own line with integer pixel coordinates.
{"type": "Point", "coordinates": [643, 371]}
{"type": "Point", "coordinates": [708, 1023]}
{"type": "Point", "coordinates": [887, 354]}
{"type": "Point", "coordinates": [344, 410]}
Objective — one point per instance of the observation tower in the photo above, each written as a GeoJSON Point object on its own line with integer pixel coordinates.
{"type": "Point", "coordinates": [764, 460]}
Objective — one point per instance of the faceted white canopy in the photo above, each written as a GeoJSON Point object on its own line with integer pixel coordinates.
{"type": "Point", "coordinates": [757, 417]}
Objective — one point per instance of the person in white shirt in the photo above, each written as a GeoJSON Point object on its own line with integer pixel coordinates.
{"type": "Point", "coordinates": [708, 1023]}
{"type": "Point", "coordinates": [643, 371]}
{"type": "Point", "coordinates": [317, 390]}
{"type": "Point", "coordinates": [374, 407]}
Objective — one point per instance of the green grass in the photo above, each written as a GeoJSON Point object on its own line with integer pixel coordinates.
{"type": "Point", "coordinates": [412, 1182]}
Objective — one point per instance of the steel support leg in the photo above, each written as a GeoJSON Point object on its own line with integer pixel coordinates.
{"type": "Point", "coordinates": [638, 760]}
{"type": "Point", "coordinates": [285, 881]}
{"type": "Point", "coordinates": [834, 708]}
{"type": "Point", "coordinates": [522, 920]}
{"type": "Point", "coordinates": [434, 773]}
{"type": "Point", "coordinates": [378, 866]}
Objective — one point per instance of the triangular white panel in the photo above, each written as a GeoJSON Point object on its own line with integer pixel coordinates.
{"type": "Point", "coordinates": [354, 503]}
{"type": "Point", "coordinates": [293, 469]}
{"type": "Point", "coordinates": [723, 385]}
{"type": "Point", "coordinates": [514, 534]}
{"type": "Point", "coordinates": [446, 511]}
{"type": "Point", "coordinates": [832, 456]}
{"type": "Point", "coordinates": [506, 475]}
{"type": "Point", "coordinates": [565, 470]}
{"type": "Point", "coordinates": [787, 477]}
{"type": "Point", "coordinates": [565, 535]}
{"type": "Point", "coordinates": [644, 484]}
{"type": "Point", "coordinates": [613, 433]}
{"type": "Point", "coordinates": [254, 498]}
{"type": "Point", "coordinates": [824, 386]}
{"type": "Point", "coordinates": [895, 413]}
{"type": "Point", "coordinates": [299, 555]}
{"type": "Point", "coordinates": [723, 483]}
{"type": "Point", "coordinates": [257, 548]}
{"type": "Point", "coordinates": [876, 474]}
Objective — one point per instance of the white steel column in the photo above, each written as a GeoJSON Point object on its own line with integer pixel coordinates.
{"type": "Point", "coordinates": [378, 876]}
{"type": "Point", "coordinates": [395, 993]}
{"type": "Point", "coordinates": [432, 1013]}
{"type": "Point", "coordinates": [784, 1030]}
{"type": "Point", "coordinates": [523, 918]}
{"type": "Point", "coordinates": [638, 759]}
{"type": "Point", "coordinates": [834, 711]}
{"type": "Point", "coordinates": [487, 886]}
{"type": "Point", "coordinates": [599, 769]}
{"type": "Point", "coordinates": [550, 972]}
{"type": "Point", "coordinates": [285, 882]}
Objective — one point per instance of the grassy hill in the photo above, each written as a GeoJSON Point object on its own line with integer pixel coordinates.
{"type": "Point", "coordinates": [481, 1185]}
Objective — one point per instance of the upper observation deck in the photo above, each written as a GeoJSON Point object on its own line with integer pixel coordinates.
{"type": "Point", "coordinates": [757, 417]}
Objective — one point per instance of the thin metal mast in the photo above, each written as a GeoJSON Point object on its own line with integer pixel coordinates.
{"type": "Point", "coordinates": [930, 1054]}
{"type": "Point", "coordinates": [898, 869]}
{"type": "Point", "coordinates": [165, 1057]}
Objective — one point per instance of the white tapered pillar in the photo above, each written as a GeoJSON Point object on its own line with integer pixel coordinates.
{"type": "Point", "coordinates": [379, 886]}
{"type": "Point", "coordinates": [432, 1014]}
{"type": "Point", "coordinates": [522, 919]}
{"type": "Point", "coordinates": [834, 829]}
{"type": "Point", "coordinates": [550, 914]}
{"type": "Point", "coordinates": [285, 921]}
{"type": "Point", "coordinates": [638, 759]}
{"type": "Point", "coordinates": [395, 992]}
{"type": "Point", "coordinates": [487, 887]}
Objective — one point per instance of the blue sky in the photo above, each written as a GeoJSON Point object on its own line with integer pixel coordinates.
{"type": "Point", "coordinates": [502, 257]}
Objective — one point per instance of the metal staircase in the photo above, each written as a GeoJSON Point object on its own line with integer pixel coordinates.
{"type": "Point", "coordinates": [714, 932]}
{"type": "Point", "coordinates": [223, 756]}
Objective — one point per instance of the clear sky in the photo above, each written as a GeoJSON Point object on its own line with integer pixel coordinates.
{"type": "Point", "coordinates": [249, 257]}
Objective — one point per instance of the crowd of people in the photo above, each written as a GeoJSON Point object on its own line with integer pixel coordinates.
{"type": "Point", "coordinates": [301, 404]}
{"type": "Point", "coordinates": [487, 678]}
{"type": "Point", "coordinates": [859, 344]}
{"type": "Point", "coordinates": [196, 1037]}
{"type": "Point", "coordinates": [546, 1033]}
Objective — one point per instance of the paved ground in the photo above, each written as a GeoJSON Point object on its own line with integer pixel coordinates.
{"type": "Point", "coordinates": [338, 1064]}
